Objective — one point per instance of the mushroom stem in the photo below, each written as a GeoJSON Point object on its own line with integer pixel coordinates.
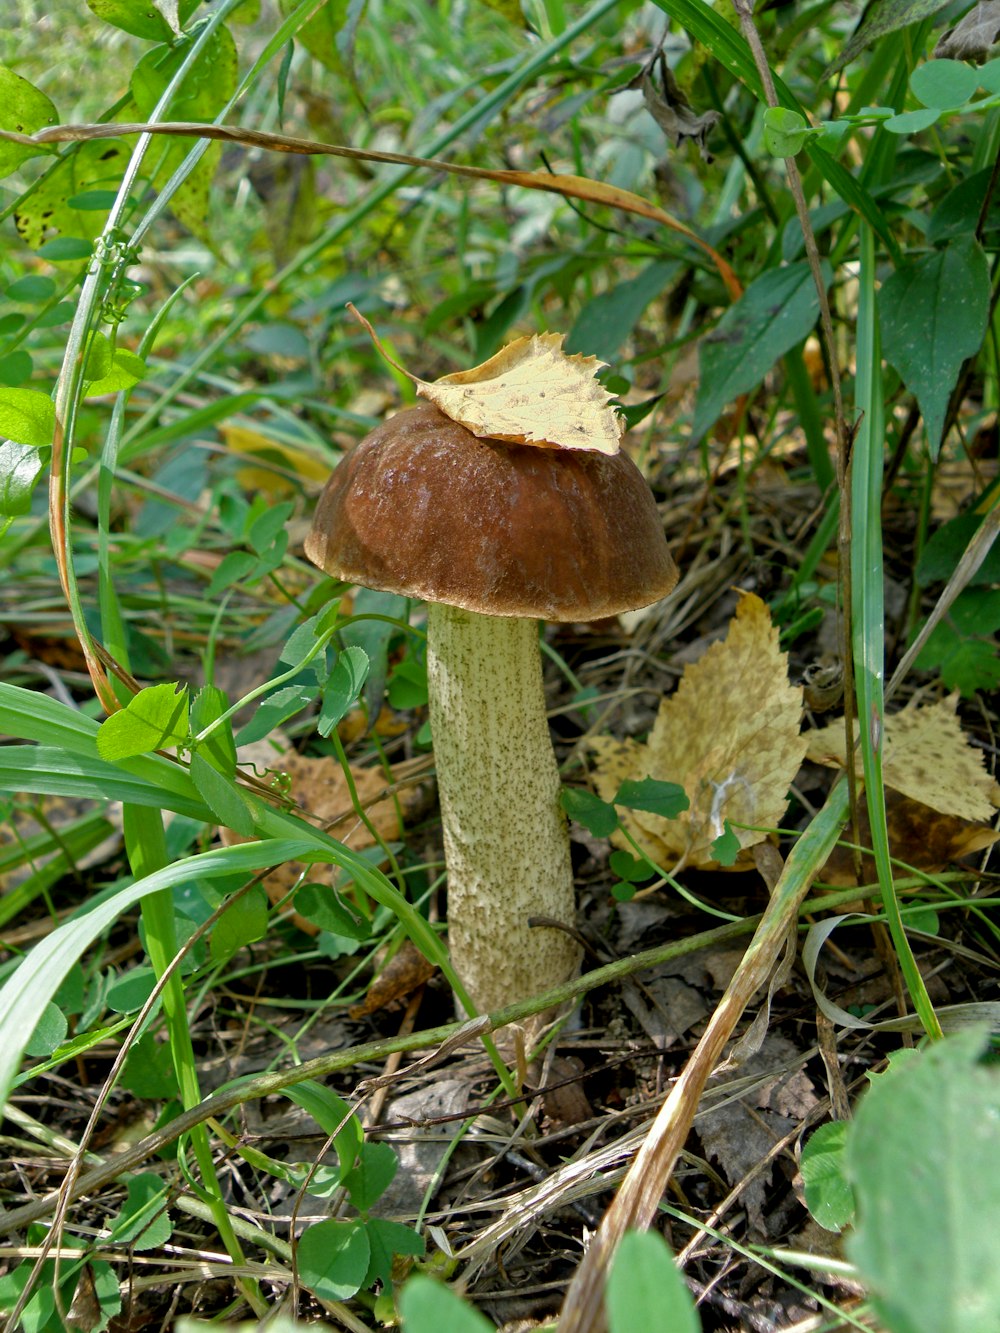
{"type": "Point", "coordinates": [506, 841]}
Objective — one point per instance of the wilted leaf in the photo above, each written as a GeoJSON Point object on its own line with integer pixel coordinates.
{"type": "Point", "coordinates": [530, 392]}
{"type": "Point", "coordinates": [919, 835]}
{"type": "Point", "coordinates": [729, 735]}
{"type": "Point", "coordinates": [881, 17]}
{"type": "Point", "coordinates": [926, 756]}
{"type": "Point", "coordinates": [406, 970]}
{"type": "Point", "coordinates": [671, 110]}
{"type": "Point", "coordinates": [973, 36]}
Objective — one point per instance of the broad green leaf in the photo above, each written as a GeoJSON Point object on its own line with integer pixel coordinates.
{"type": "Point", "coordinates": [332, 1259]}
{"type": "Point", "coordinates": [645, 1289]}
{"type": "Point", "coordinates": [933, 315]}
{"type": "Point", "coordinates": [142, 18]}
{"type": "Point", "coordinates": [143, 1221]}
{"type": "Point", "coordinates": [958, 212]}
{"type": "Point", "coordinates": [127, 994]}
{"type": "Point", "coordinates": [20, 467]}
{"type": "Point", "coordinates": [628, 867]}
{"type": "Point", "coordinates": [596, 816]}
{"type": "Point", "coordinates": [428, 1305]}
{"type": "Point", "coordinates": [334, 1117]}
{"type": "Point", "coordinates": [881, 17]}
{"type": "Point", "coordinates": [387, 1239]}
{"type": "Point", "coordinates": [946, 546]}
{"type": "Point", "coordinates": [15, 368]}
{"type": "Point", "coordinates": [967, 662]}
{"type": "Point", "coordinates": [46, 212]}
{"type": "Point", "coordinates": [912, 122]}
{"type": "Point", "coordinates": [266, 526]}
{"type": "Point", "coordinates": [775, 313]}
{"type": "Point", "coordinates": [66, 248]}
{"type": "Point", "coordinates": [606, 321]}
{"type": "Point", "coordinates": [27, 416]}
{"type": "Point", "coordinates": [222, 797]}
{"type": "Point", "coordinates": [276, 709]}
{"type": "Point", "coordinates": [49, 1032]}
{"type": "Point", "coordinates": [23, 109]}
{"type": "Point", "coordinates": [944, 84]}
{"type": "Point", "coordinates": [408, 684]}
{"type": "Point", "coordinates": [328, 36]}
{"type": "Point", "coordinates": [921, 1157]}
{"type": "Point", "coordinates": [344, 684]}
{"type": "Point", "coordinates": [829, 1196]}
{"type": "Point", "coordinates": [125, 371]}
{"type": "Point", "coordinates": [207, 88]}
{"type": "Point", "coordinates": [232, 568]}
{"type": "Point", "coordinates": [785, 131]}
{"type": "Point", "coordinates": [32, 289]}
{"type": "Point", "coordinates": [371, 1177]}
{"type": "Point", "coordinates": [656, 797]}
{"type": "Point", "coordinates": [319, 904]}
{"type": "Point", "coordinates": [149, 1069]}
{"type": "Point", "coordinates": [219, 749]}
{"type": "Point", "coordinates": [373, 637]}
{"type": "Point", "coordinates": [153, 719]}
{"type": "Point", "coordinates": [243, 922]}
{"type": "Point", "coordinates": [726, 847]}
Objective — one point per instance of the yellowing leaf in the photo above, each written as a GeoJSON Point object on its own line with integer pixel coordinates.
{"type": "Point", "coordinates": [729, 735]}
{"type": "Point", "coordinates": [926, 756]}
{"type": "Point", "coordinates": [530, 392]}
{"type": "Point", "coordinates": [291, 458]}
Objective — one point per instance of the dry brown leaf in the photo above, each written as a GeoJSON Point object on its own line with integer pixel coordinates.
{"type": "Point", "coordinates": [319, 787]}
{"type": "Point", "coordinates": [926, 756]}
{"type": "Point", "coordinates": [921, 837]}
{"type": "Point", "coordinates": [729, 735]}
{"type": "Point", "coordinates": [530, 392]}
{"type": "Point", "coordinates": [405, 971]}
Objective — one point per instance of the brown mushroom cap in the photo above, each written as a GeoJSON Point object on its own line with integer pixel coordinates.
{"type": "Point", "coordinates": [425, 508]}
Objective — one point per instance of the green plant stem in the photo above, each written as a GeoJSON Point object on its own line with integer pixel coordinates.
{"type": "Point", "coordinates": [868, 629]}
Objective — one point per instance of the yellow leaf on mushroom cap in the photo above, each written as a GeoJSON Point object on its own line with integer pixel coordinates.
{"type": "Point", "coordinates": [729, 735]}
{"type": "Point", "coordinates": [926, 756]}
{"type": "Point", "coordinates": [531, 392]}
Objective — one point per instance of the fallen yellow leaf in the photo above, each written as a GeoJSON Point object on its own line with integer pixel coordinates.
{"type": "Point", "coordinates": [729, 735]}
{"type": "Point", "coordinates": [926, 756]}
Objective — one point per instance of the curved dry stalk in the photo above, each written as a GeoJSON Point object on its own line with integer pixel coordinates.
{"type": "Point", "coordinates": [636, 1203]}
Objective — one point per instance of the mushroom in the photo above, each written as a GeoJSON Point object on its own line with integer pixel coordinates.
{"type": "Point", "coordinates": [494, 537]}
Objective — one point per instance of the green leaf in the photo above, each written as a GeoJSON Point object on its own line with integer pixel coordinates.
{"type": "Point", "coordinates": [666, 799]}
{"type": "Point", "coordinates": [596, 816]}
{"type": "Point", "coordinates": [408, 685]}
{"type": "Point", "coordinates": [23, 109]}
{"type": "Point", "coordinates": [276, 709]}
{"type": "Point", "coordinates": [829, 1196]}
{"type": "Point", "coordinates": [606, 321]}
{"type": "Point", "coordinates": [944, 84]}
{"type": "Point", "coordinates": [205, 92]}
{"type": "Point", "coordinates": [20, 467]}
{"type": "Point", "coordinates": [947, 545]}
{"type": "Point", "coordinates": [344, 684]}
{"type": "Point", "coordinates": [49, 1032]}
{"type": "Point", "coordinates": [140, 17]}
{"type": "Point", "coordinates": [142, 1221]}
{"type": "Point", "coordinates": [97, 164]}
{"type": "Point", "coordinates": [921, 1155]}
{"type": "Point", "coordinates": [66, 249]}
{"type": "Point", "coordinates": [127, 994]}
{"type": "Point", "coordinates": [327, 35]}
{"type": "Point", "coordinates": [222, 796]}
{"type": "Point", "coordinates": [32, 289]}
{"type": "Point", "coordinates": [645, 1289]}
{"type": "Point", "coordinates": [958, 212]}
{"type": "Point", "coordinates": [15, 368]}
{"type": "Point", "coordinates": [881, 17]}
{"type": "Point", "coordinates": [27, 416]}
{"type": "Point", "coordinates": [628, 867]}
{"type": "Point", "coordinates": [933, 315]}
{"type": "Point", "coordinates": [243, 921]}
{"type": "Point", "coordinates": [319, 904]}
{"type": "Point", "coordinates": [219, 749]}
{"type": "Point", "coordinates": [155, 718]}
{"type": "Point", "coordinates": [125, 371]}
{"type": "Point", "coordinates": [374, 636]}
{"type": "Point", "coordinates": [912, 122]}
{"type": "Point", "coordinates": [387, 1239]}
{"type": "Point", "coordinates": [967, 663]}
{"type": "Point", "coordinates": [266, 526]}
{"type": "Point", "coordinates": [785, 131]}
{"type": "Point", "coordinates": [332, 1259]}
{"type": "Point", "coordinates": [149, 1070]}
{"type": "Point", "coordinates": [726, 846]}
{"type": "Point", "coordinates": [775, 313]}
{"type": "Point", "coordinates": [428, 1306]}
{"type": "Point", "coordinates": [372, 1176]}
{"type": "Point", "coordinates": [334, 1117]}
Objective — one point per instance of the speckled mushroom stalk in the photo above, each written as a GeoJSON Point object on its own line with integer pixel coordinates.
{"type": "Point", "coordinates": [506, 841]}
{"type": "Point", "coordinates": [494, 537]}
